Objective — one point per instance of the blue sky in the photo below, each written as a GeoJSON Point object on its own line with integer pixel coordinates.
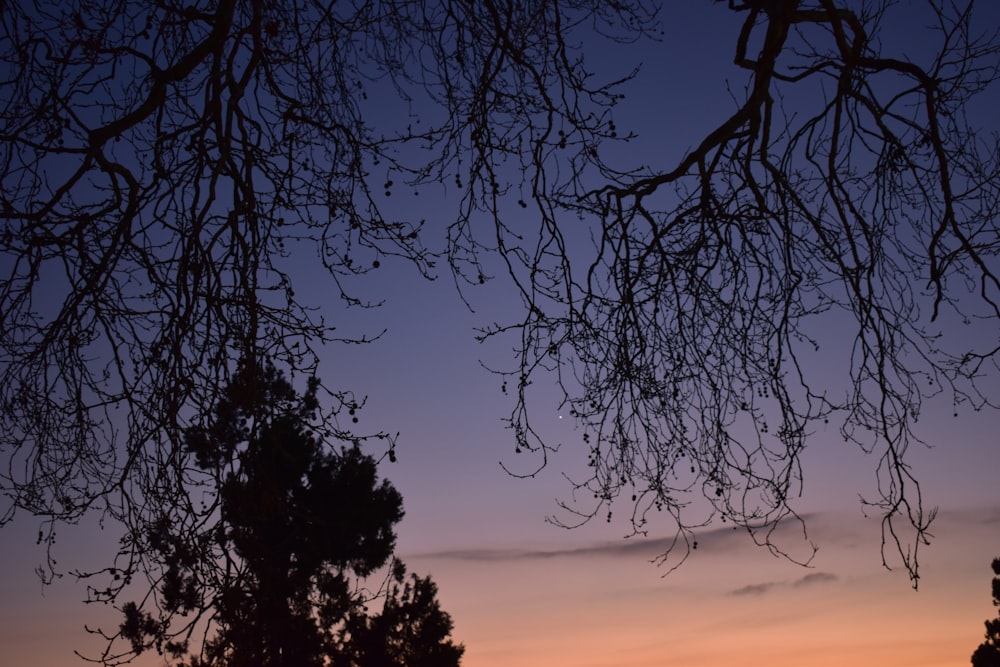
{"type": "Point", "coordinates": [525, 592]}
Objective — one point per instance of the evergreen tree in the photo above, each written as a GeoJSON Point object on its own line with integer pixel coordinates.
{"type": "Point", "coordinates": [410, 630]}
{"type": "Point", "coordinates": [296, 526]}
{"type": "Point", "coordinates": [988, 653]}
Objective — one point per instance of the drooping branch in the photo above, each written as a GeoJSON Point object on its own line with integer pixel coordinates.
{"type": "Point", "coordinates": [691, 346]}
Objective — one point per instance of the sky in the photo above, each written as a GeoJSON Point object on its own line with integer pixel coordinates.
{"type": "Point", "coordinates": [525, 592]}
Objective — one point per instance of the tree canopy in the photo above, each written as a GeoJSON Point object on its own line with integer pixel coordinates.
{"type": "Point", "coordinates": [264, 550]}
{"type": "Point", "coordinates": [987, 654]}
{"type": "Point", "coordinates": [158, 163]}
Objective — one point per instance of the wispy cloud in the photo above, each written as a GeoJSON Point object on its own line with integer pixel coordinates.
{"type": "Point", "coordinates": [815, 578]}
{"type": "Point", "coordinates": [755, 589]}
{"type": "Point", "coordinates": [988, 515]}
{"type": "Point", "coordinates": [714, 540]}
{"type": "Point", "coordinates": [811, 579]}
{"type": "Point", "coordinates": [611, 549]}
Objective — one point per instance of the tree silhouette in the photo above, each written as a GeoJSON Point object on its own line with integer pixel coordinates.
{"type": "Point", "coordinates": [164, 167]}
{"type": "Point", "coordinates": [987, 654]}
{"type": "Point", "coordinates": [411, 629]}
{"type": "Point", "coordinates": [850, 190]}
{"type": "Point", "coordinates": [268, 566]}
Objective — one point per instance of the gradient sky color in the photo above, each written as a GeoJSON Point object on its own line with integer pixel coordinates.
{"type": "Point", "coordinates": [525, 593]}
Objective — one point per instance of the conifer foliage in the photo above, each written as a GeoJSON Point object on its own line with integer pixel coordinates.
{"type": "Point", "coordinates": [275, 569]}
{"type": "Point", "coordinates": [988, 653]}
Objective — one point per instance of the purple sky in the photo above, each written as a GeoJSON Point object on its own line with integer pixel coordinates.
{"type": "Point", "coordinates": [524, 592]}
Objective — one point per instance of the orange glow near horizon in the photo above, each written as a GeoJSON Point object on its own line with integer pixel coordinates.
{"type": "Point", "coordinates": [525, 594]}
{"type": "Point", "coordinates": [733, 605]}
{"type": "Point", "coordinates": [740, 607]}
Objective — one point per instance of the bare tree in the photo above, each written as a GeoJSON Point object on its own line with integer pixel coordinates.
{"type": "Point", "coordinates": [165, 169]}
{"type": "Point", "coordinates": [159, 161]}
{"type": "Point", "coordinates": [849, 186]}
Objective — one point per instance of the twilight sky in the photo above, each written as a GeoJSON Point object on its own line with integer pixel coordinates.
{"type": "Point", "coordinates": [524, 592]}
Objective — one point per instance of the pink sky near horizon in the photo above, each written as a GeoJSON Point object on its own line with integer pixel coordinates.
{"type": "Point", "coordinates": [524, 593]}
{"type": "Point", "coordinates": [609, 608]}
